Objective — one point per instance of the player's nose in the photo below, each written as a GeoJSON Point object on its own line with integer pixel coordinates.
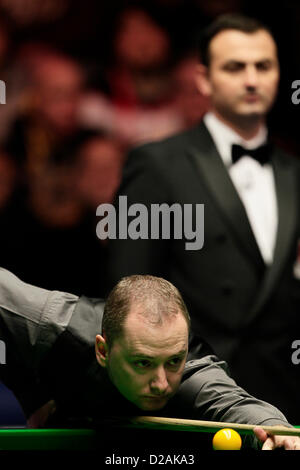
{"type": "Point", "coordinates": [159, 382]}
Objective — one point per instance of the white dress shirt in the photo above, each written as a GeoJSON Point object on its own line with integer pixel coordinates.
{"type": "Point", "coordinates": [254, 182]}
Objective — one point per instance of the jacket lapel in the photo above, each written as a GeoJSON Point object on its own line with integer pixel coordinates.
{"type": "Point", "coordinates": [288, 210]}
{"type": "Point", "coordinates": [209, 163]}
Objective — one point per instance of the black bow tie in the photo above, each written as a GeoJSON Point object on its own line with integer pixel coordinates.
{"type": "Point", "coordinates": [260, 154]}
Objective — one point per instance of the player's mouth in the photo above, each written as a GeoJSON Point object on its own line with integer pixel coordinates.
{"type": "Point", "coordinates": [154, 403]}
{"type": "Point", "coordinates": [156, 399]}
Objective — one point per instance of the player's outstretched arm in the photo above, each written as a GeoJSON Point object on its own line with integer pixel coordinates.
{"type": "Point", "coordinates": [208, 392]}
{"type": "Point", "coordinates": [31, 318]}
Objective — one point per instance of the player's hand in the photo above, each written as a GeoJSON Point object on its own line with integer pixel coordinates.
{"type": "Point", "coordinates": [275, 442]}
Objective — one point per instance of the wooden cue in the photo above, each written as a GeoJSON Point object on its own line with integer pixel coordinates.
{"type": "Point", "coordinates": [173, 424]}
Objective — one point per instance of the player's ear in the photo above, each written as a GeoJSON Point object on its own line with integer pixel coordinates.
{"type": "Point", "coordinates": [202, 80]}
{"type": "Point", "coordinates": [101, 349]}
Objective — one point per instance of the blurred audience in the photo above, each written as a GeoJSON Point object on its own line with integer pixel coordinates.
{"type": "Point", "coordinates": [51, 223]}
{"type": "Point", "coordinates": [52, 197]}
{"type": "Point", "coordinates": [139, 105]}
{"type": "Point", "coordinates": [48, 116]}
{"type": "Point", "coordinates": [12, 77]}
{"type": "Point", "coordinates": [98, 169]}
{"type": "Point", "coordinates": [49, 237]}
{"type": "Point", "coordinates": [190, 103]}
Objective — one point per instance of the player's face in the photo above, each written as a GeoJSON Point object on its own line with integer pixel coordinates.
{"type": "Point", "coordinates": [147, 362]}
{"type": "Point", "coordinates": [243, 74]}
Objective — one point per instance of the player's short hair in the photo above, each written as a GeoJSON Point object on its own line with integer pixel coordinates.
{"type": "Point", "coordinates": [159, 300]}
{"type": "Point", "coordinates": [236, 21]}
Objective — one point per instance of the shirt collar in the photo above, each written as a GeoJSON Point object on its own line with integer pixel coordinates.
{"type": "Point", "coordinates": [224, 137]}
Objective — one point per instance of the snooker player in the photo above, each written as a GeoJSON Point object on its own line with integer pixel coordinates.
{"type": "Point", "coordinates": [142, 360]}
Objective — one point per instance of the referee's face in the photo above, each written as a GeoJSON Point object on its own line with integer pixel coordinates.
{"type": "Point", "coordinates": [146, 363]}
{"type": "Point", "coordinates": [242, 77]}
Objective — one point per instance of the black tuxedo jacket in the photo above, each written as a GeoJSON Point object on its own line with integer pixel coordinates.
{"type": "Point", "coordinates": [249, 313]}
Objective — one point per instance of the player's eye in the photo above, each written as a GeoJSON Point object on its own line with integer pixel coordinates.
{"type": "Point", "coordinates": [142, 364]}
{"type": "Point", "coordinates": [175, 361]}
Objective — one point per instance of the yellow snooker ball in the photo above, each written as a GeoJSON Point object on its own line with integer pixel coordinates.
{"type": "Point", "coordinates": [227, 439]}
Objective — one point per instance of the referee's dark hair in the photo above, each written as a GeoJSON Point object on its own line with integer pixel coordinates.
{"type": "Point", "coordinates": [235, 21]}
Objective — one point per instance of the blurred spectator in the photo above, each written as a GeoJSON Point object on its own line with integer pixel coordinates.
{"type": "Point", "coordinates": [52, 197]}
{"type": "Point", "coordinates": [190, 103]}
{"type": "Point", "coordinates": [129, 126]}
{"type": "Point", "coordinates": [50, 237]}
{"type": "Point", "coordinates": [140, 103]}
{"type": "Point", "coordinates": [12, 77]}
{"type": "Point", "coordinates": [49, 117]}
{"type": "Point", "coordinates": [56, 88]}
{"type": "Point", "coordinates": [139, 42]}
{"type": "Point", "coordinates": [98, 169]}
{"type": "Point", "coordinates": [50, 230]}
